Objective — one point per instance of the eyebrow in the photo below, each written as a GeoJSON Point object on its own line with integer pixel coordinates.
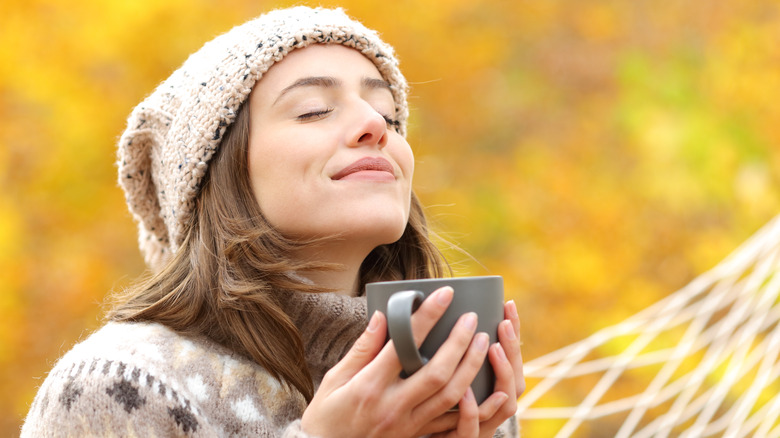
{"type": "Point", "coordinates": [373, 83]}
{"type": "Point", "coordinates": [331, 82]}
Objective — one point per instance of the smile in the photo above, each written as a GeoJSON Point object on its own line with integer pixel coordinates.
{"type": "Point", "coordinates": [367, 169]}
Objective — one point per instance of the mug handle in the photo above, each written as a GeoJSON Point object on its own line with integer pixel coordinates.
{"type": "Point", "coordinates": [399, 324]}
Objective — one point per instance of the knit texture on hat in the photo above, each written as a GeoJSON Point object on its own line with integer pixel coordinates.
{"type": "Point", "coordinates": [171, 136]}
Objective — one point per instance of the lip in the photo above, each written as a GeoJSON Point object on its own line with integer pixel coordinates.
{"type": "Point", "coordinates": [372, 164]}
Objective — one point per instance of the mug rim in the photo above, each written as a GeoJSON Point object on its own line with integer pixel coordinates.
{"type": "Point", "coordinates": [434, 280]}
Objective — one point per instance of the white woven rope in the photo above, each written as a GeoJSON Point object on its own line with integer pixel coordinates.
{"type": "Point", "coordinates": [709, 357]}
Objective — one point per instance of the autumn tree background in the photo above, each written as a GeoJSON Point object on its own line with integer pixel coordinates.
{"type": "Point", "coordinates": [598, 155]}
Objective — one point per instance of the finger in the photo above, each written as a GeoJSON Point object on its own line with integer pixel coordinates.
{"type": "Point", "coordinates": [504, 383]}
{"type": "Point", "coordinates": [505, 374]}
{"type": "Point", "coordinates": [423, 320]}
{"type": "Point", "coordinates": [363, 351]}
{"type": "Point", "coordinates": [468, 422]}
{"type": "Point", "coordinates": [511, 345]}
{"type": "Point", "coordinates": [445, 422]}
{"type": "Point", "coordinates": [462, 373]}
{"type": "Point", "coordinates": [429, 313]}
{"type": "Point", "coordinates": [510, 313]}
{"type": "Point", "coordinates": [491, 405]}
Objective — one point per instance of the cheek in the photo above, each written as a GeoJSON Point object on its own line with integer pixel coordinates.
{"type": "Point", "coordinates": [282, 179]}
{"type": "Point", "coordinates": [266, 174]}
{"type": "Point", "coordinates": [410, 166]}
{"type": "Point", "coordinates": [402, 154]}
{"type": "Point", "coordinates": [405, 158]}
{"type": "Point", "coordinates": [276, 197]}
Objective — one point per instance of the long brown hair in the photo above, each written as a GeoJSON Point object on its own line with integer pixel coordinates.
{"type": "Point", "coordinates": [221, 282]}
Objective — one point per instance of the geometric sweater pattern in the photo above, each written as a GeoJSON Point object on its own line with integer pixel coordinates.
{"type": "Point", "coordinates": [143, 379]}
{"type": "Point", "coordinates": [140, 379]}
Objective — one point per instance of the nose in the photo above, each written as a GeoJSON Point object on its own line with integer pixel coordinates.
{"type": "Point", "coordinates": [369, 128]}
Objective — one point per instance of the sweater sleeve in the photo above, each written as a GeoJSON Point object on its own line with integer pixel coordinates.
{"type": "Point", "coordinates": [110, 399]}
{"type": "Point", "coordinates": [133, 379]}
{"type": "Point", "coordinates": [104, 398]}
{"type": "Point", "coordinates": [509, 429]}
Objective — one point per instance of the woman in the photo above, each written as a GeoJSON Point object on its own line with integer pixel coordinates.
{"type": "Point", "coordinates": [271, 181]}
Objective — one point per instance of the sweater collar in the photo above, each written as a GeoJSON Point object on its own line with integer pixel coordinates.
{"type": "Point", "coordinates": [329, 324]}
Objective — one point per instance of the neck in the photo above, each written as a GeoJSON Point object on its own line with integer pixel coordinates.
{"type": "Point", "coordinates": [344, 280]}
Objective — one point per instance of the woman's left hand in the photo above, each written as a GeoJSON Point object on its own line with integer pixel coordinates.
{"type": "Point", "coordinates": [507, 362]}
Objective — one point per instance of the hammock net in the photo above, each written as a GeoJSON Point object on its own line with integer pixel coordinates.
{"type": "Point", "coordinates": [702, 362]}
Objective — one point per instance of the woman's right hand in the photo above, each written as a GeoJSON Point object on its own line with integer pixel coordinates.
{"type": "Point", "coordinates": [364, 396]}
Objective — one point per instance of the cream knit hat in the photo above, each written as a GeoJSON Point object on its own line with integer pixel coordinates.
{"type": "Point", "coordinates": [171, 135]}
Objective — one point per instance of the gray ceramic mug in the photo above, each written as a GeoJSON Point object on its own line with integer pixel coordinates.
{"type": "Point", "coordinates": [398, 299]}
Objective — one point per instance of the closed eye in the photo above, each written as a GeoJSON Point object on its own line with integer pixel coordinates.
{"type": "Point", "coordinates": [395, 124]}
{"type": "Point", "coordinates": [314, 115]}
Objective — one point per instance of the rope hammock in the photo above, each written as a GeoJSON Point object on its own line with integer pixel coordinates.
{"type": "Point", "coordinates": [702, 362]}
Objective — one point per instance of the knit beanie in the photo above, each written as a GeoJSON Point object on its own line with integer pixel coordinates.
{"type": "Point", "coordinates": [170, 137]}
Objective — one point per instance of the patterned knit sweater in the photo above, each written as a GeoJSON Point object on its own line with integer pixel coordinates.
{"type": "Point", "coordinates": [143, 379]}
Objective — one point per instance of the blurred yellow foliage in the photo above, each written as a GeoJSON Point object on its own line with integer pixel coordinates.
{"type": "Point", "coordinates": [597, 154]}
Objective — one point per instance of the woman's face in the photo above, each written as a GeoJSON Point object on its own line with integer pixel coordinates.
{"type": "Point", "coordinates": [324, 159]}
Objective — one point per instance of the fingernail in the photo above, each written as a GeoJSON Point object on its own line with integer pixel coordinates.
{"type": "Point", "coordinates": [481, 342]}
{"type": "Point", "coordinates": [444, 296]}
{"type": "Point", "coordinates": [512, 309]}
{"type": "Point", "coordinates": [469, 395]}
{"type": "Point", "coordinates": [509, 331]}
{"type": "Point", "coordinates": [470, 321]}
{"type": "Point", "coordinates": [373, 323]}
{"type": "Point", "coordinates": [502, 396]}
{"type": "Point", "coordinates": [500, 352]}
